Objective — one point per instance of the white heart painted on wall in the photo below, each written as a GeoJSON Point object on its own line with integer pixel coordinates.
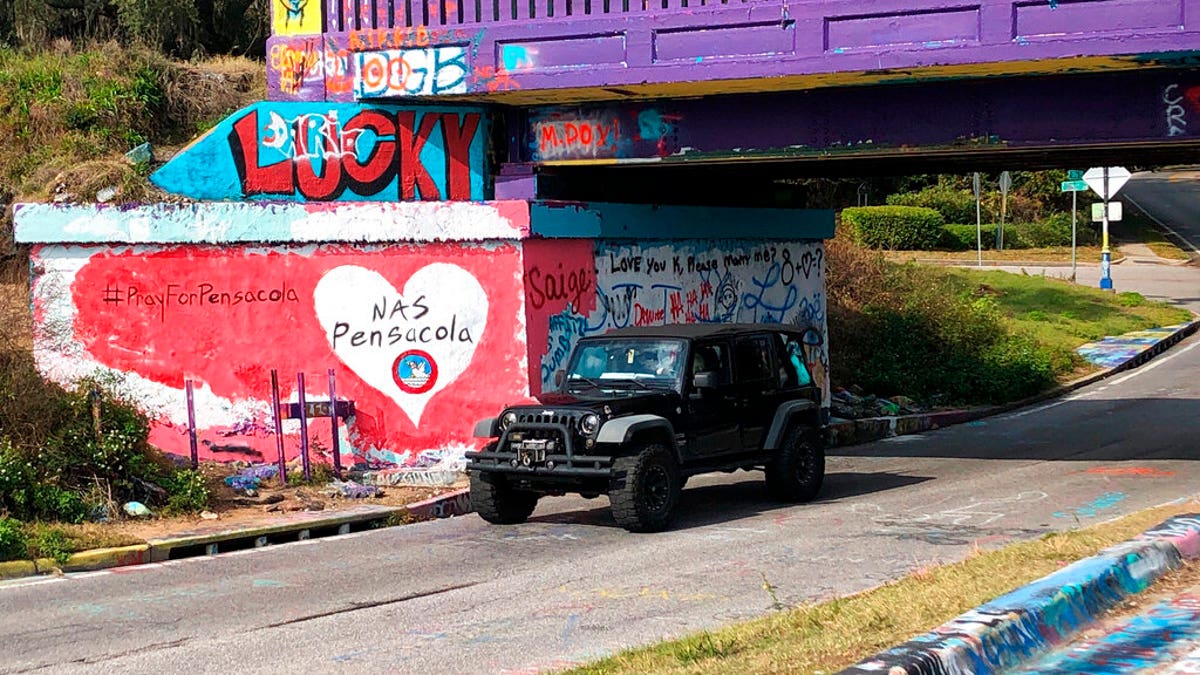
{"type": "Point", "coordinates": [408, 344]}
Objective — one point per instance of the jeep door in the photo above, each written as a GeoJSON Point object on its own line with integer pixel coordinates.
{"type": "Point", "coordinates": [711, 417]}
{"type": "Point", "coordinates": [756, 387]}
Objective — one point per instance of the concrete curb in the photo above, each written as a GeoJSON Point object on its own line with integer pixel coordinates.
{"type": "Point", "coordinates": [1031, 620]}
{"type": "Point", "coordinates": [210, 541]}
{"type": "Point", "coordinates": [854, 432]}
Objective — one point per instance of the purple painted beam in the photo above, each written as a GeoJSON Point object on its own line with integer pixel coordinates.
{"type": "Point", "coordinates": [538, 51]}
{"type": "Point", "coordinates": [1047, 112]}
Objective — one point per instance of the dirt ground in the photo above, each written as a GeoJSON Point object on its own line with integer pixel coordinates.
{"type": "Point", "coordinates": [272, 501]}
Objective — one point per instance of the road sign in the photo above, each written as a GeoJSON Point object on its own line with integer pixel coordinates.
{"type": "Point", "coordinates": [1074, 174]}
{"type": "Point", "coordinates": [1114, 212]}
{"type": "Point", "coordinates": [1074, 186]}
{"type": "Point", "coordinates": [976, 184]}
{"type": "Point", "coordinates": [1117, 177]}
{"type": "Point", "coordinates": [1005, 182]}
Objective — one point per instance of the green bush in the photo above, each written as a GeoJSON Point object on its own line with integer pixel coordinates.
{"type": "Point", "coordinates": [894, 227]}
{"type": "Point", "coordinates": [50, 542]}
{"type": "Point", "coordinates": [53, 456]}
{"type": "Point", "coordinates": [12, 539]}
{"type": "Point", "coordinates": [965, 238]}
{"type": "Point", "coordinates": [187, 492]}
{"type": "Point", "coordinates": [956, 206]}
{"type": "Point", "coordinates": [912, 330]}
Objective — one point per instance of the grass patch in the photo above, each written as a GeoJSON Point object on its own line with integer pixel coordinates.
{"type": "Point", "coordinates": [1137, 227]}
{"type": "Point", "coordinates": [1062, 315]}
{"type": "Point", "coordinates": [1083, 254]}
{"type": "Point", "coordinates": [832, 635]}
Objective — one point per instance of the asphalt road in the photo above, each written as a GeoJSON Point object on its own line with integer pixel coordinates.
{"type": "Point", "coordinates": [459, 596]}
{"type": "Point", "coordinates": [1173, 198]}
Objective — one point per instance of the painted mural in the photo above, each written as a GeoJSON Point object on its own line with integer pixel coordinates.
{"type": "Point", "coordinates": [583, 287]}
{"type": "Point", "coordinates": [421, 337]}
{"type": "Point", "coordinates": [334, 152]}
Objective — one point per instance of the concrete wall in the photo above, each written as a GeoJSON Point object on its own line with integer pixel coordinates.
{"type": "Point", "coordinates": [576, 288]}
{"type": "Point", "coordinates": [431, 315]}
{"type": "Point", "coordinates": [423, 335]}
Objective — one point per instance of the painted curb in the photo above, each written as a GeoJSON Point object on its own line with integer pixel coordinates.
{"type": "Point", "coordinates": [855, 432]}
{"type": "Point", "coordinates": [454, 503]}
{"type": "Point", "coordinates": [301, 527]}
{"type": "Point", "coordinates": [1029, 621]}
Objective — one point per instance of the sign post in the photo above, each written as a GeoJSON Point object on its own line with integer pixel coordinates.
{"type": "Point", "coordinates": [1074, 184]}
{"type": "Point", "coordinates": [1106, 181]}
{"type": "Point", "coordinates": [1005, 184]}
{"type": "Point", "coordinates": [977, 185]}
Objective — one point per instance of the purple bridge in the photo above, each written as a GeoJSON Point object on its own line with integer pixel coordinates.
{"type": "Point", "coordinates": [802, 86]}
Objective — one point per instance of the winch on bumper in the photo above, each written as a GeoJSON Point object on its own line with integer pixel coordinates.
{"type": "Point", "coordinates": [542, 444]}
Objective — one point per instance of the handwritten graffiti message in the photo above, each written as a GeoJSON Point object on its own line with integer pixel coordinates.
{"type": "Point", "coordinates": [639, 285]}
{"type": "Point", "coordinates": [421, 337]}
{"type": "Point", "coordinates": [575, 139]}
{"type": "Point", "coordinates": [334, 152]}
{"type": "Point", "coordinates": [407, 344]}
{"type": "Point", "coordinates": [566, 134]}
{"type": "Point", "coordinates": [203, 294]}
{"type": "Point", "coordinates": [410, 72]}
{"type": "Point", "coordinates": [1174, 97]}
{"type": "Point", "coordinates": [299, 65]}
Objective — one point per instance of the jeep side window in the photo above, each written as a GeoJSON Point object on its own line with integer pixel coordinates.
{"type": "Point", "coordinates": [793, 372]}
{"type": "Point", "coordinates": [711, 357]}
{"type": "Point", "coordinates": [752, 359]}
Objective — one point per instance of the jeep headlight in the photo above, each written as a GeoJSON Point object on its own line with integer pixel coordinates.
{"type": "Point", "coordinates": [590, 424]}
{"type": "Point", "coordinates": [507, 420]}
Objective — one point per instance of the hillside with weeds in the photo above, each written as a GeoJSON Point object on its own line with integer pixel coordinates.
{"type": "Point", "coordinates": [948, 336]}
{"type": "Point", "coordinates": [71, 114]}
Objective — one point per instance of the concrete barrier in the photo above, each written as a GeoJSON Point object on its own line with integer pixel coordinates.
{"type": "Point", "coordinates": [1015, 627]}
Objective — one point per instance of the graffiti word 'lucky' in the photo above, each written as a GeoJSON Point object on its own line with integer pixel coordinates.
{"type": "Point", "coordinates": [323, 156]}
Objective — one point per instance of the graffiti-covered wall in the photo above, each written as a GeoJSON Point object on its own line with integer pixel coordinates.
{"type": "Point", "coordinates": [431, 315]}
{"type": "Point", "coordinates": [584, 287]}
{"type": "Point", "coordinates": [335, 152]}
{"type": "Point", "coordinates": [421, 335]}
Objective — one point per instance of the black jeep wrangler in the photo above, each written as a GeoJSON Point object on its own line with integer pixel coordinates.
{"type": "Point", "coordinates": [639, 410]}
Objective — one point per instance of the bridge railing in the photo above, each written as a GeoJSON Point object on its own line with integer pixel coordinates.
{"type": "Point", "coordinates": [353, 15]}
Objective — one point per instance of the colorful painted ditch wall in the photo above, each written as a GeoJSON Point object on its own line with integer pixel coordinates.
{"type": "Point", "coordinates": [431, 315]}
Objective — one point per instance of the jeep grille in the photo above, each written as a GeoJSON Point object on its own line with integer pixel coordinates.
{"type": "Point", "coordinates": [570, 421]}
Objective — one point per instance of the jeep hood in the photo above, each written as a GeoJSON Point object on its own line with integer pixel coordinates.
{"type": "Point", "coordinates": [636, 402]}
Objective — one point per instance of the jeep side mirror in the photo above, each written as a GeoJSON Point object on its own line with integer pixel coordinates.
{"type": "Point", "coordinates": [705, 379]}
{"type": "Point", "coordinates": [559, 377]}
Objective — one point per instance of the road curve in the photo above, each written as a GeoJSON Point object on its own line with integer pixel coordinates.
{"type": "Point", "coordinates": [461, 596]}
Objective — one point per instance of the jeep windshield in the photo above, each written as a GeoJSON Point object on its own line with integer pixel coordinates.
{"type": "Point", "coordinates": [626, 365]}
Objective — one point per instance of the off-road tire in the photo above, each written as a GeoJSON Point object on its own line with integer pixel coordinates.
{"type": "Point", "coordinates": [647, 499]}
{"type": "Point", "coordinates": [499, 503]}
{"type": "Point", "coordinates": [797, 470]}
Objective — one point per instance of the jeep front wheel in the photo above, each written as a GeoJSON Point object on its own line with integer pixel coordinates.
{"type": "Point", "coordinates": [797, 470]}
{"type": "Point", "coordinates": [499, 503]}
{"type": "Point", "coordinates": [646, 501]}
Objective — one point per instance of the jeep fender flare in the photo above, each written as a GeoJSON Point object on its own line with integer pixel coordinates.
{"type": "Point", "coordinates": [622, 430]}
{"type": "Point", "coordinates": [783, 417]}
{"type": "Point", "coordinates": [486, 428]}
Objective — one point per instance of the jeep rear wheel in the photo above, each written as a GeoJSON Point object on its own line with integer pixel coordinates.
{"type": "Point", "coordinates": [497, 502]}
{"type": "Point", "coordinates": [796, 472]}
{"type": "Point", "coordinates": [647, 500]}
